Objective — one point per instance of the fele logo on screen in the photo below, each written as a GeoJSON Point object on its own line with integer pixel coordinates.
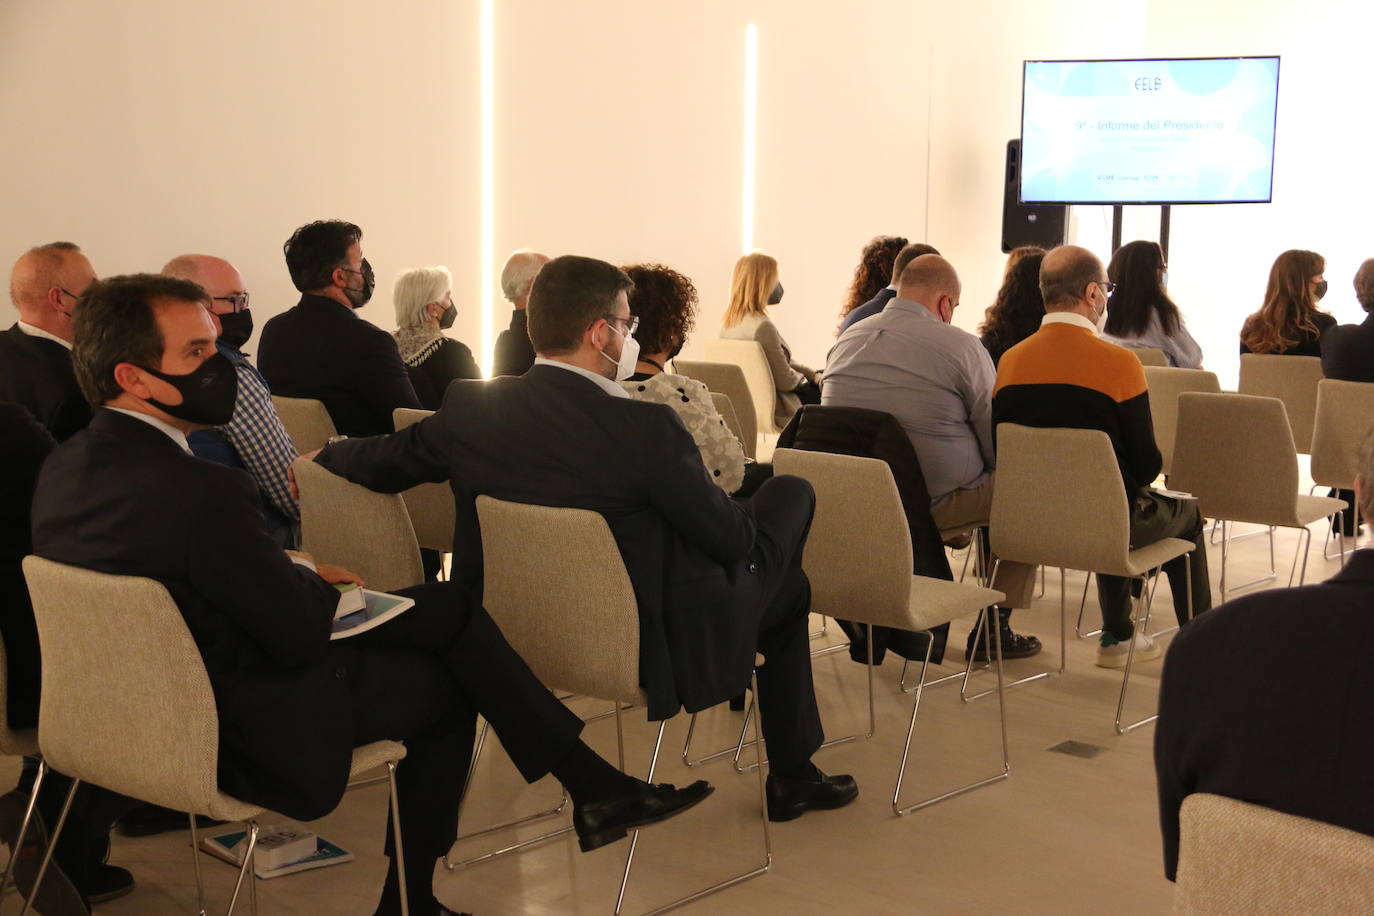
{"type": "Point", "coordinates": [1148, 83]}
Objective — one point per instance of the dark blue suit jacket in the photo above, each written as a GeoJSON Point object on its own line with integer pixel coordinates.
{"type": "Point", "coordinates": [1348, 352]}
{"type": "Point", "coordinates": [868, 309]}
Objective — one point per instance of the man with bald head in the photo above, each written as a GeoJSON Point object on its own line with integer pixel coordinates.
{"type": "Point", "coordinates": [909, 361]}
{"type": "Point", "coordinates": [254, 439]}
{"type": "Point", "coordinates": [35, 354]}
{"type": "Point", "coordinates": [514, 352]}
{"type": "Point", "coordinates": [1066, 375]}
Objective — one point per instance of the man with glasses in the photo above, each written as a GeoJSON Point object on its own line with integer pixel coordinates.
{"type": "Point", "coordinates": [35, 354]}
{"type": "Point", "coordinates": [1066, 375]}
{"type": "Point", "coordinates": [321, 348]}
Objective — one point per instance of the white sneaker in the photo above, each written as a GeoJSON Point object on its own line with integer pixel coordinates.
{"type": "Point", "coordinates": [1146, 649]}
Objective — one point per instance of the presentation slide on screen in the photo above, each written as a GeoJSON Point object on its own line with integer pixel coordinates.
{"type": "Point", "coordinates": [1152, 131]}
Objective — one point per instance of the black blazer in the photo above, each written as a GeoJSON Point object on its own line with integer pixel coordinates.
{"type": "Point", "coordinates": [514, 353]}
{"type": "Point", "coordinates": [1308, 344]}
{"type": "Point", "coordinates": [1238, 718]}
{"type": "Point", "coordinates": [37, 373]}
{"type": "Point", "coordinates": [446, 362]}
{"type": "Point", "coordinates": [551, 437]}
{"type": "Point", "coordinates": [321, 349]}
{"type": "Point", "coordinates": [1348, 352]}
{"type": "Point", "coordinates": [868, 309]}
{"type": "Point", "coordinates": [27, 444]}
{"type": "Point", "coordinates": [121, 497]}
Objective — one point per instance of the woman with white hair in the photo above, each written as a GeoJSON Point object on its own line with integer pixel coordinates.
{"type": "Point", "coordinates": [424, 309]}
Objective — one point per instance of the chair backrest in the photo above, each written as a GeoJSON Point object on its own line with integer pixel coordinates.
{"type": "Point", "coordinates": [1150, 356]}
{"type": "Point", "coordinates": [726, 409]}
{"type": "Point", "coordinates": [1239, 859]}
{"type": "Point", "coordinates": [858, 555]}
{"type": "Point", "coordinates": [430, 504]}
{"type": "Point", "coordinates": [1166, 384]}
{"type": "Point", "coordinates": [749, 356]}
{"type": "Point", "coordinates": [1059, 499]}
{"type": "Point", "coordinates": [306, 421]}
{"type": "Point", "coordinates": [126, 702]}
{"type": "Point", "coordinates": [728, 379]}
{"type": "Point", "coordinates": [1291, 379]}
{"type": "Point", "coordinates": [351, 526]}
{"type": "Point", "coordinates": [555, 584]}
{"type": "Point", "coordinates": [1345, 411]}
{"type": "Point", "coordinates": [1234, 452]}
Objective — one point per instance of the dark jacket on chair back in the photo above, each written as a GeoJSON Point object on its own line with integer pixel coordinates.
{"type": "Point", "coordinates": [1348, 352]}
{"type": "Point", "coordinates": [37, 373]}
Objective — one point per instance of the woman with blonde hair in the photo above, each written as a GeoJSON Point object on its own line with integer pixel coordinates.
{"type": "Point", "coordinates": [1289, 323]}
{"type": "Point", "coordinates": [754, 286]}
{"type": "Point", "coordinates": [424, 310]}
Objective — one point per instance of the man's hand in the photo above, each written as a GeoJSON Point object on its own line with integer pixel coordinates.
{"type": "Point", "coordinates": [291, 474]}
{"type": "Point", "coordinates": [335, 575]}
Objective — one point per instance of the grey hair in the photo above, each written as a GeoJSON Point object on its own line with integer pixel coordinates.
{"type": "Point", "coordinates": [417, 288]}
{"type": "Point", "coordinates": [518, 275]}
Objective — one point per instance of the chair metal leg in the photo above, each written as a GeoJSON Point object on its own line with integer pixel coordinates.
{"type": "Point", "coordinates": [1306, 549]}
{"type": "Point", "coordinates": [958, 675]}
{"type": "Point", "coordinates": [728, 882]}
{"type": "Point", "coordinates": [195, 858]}
{"type": "Point", "coordinates": [24, 826]}
{"type": "Point", "coordinates": [1147, 596]}
{"type": "Point", "coordinates": [396, 838]}
{"type": "Point", "coordinates": [52, 844]}
{"type": "Point", "coordinates": [1226, 538]}
{"type": "Point", "coordinates": [1082, 605]}
{"type": "Point", "coordinates": [1341, 551]}
{"type": "Point", "coordinates": [247, 869]}
{"type": "Point", "coordinates": [994, 636]}
{"type": "Point", "coordinates": [1063, 649]}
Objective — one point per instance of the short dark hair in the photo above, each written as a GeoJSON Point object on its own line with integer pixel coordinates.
{"type": "Point", "coordinates": [317, 249]}
{"type": "Point", "coordinates": [569, 294]}
{"type": "Point", "coordinates": [1364, 285]}
{"type": "Point", "coordinates": [665, 302]}
{"type": "Point", "coordinates": [908, 254]}
{"type": "Point", "coordinates": [116, 322]}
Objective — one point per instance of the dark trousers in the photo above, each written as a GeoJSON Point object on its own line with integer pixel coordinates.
{"type": "Point", "coordinates": [85, 839]}
{"type": "Point", "coordinates": [782, 508]}
{"type": "Point", "coordinates": [1348, 516]}
{"type": "Point", "coordinates": [422, 678]}
{"type": "Point", "coordinates": [1155, 516]}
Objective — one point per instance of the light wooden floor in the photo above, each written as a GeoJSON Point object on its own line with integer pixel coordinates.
{"type": "Point", "coordinates": [1063, 835]}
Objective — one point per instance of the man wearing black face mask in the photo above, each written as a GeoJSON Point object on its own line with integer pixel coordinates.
{"type": "Point", "coordinates": [253, 439]}
{"type": "Point", "coordinates": [321, 348]}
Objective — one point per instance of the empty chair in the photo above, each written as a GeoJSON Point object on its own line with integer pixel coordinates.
{"type": "Point", "coordinates": [1345, 411]}
{"type": "Point", "coordinates": [749, 356]}
{"type": "Point", "coordinates": [127, 703]}
{"type": "Point", "coordinates": [1234, 452]}
{"type": "Point", "coordinates": [1291, 379]}
{"type": "Point", "coordinates": [430, 504]}
{"type": "Point", "coordinates": [307, 422]}
{"type": "Point", "coordinates": [728, 379]}
{"type": "Point", "coordinates": [351, 526]}
{"type": "Point", "coordinates": [1166, 384]}
{"type": "Point", "coordinates": [1150, 356]}
{"type": "Point", "coordinates": [1239, 859]}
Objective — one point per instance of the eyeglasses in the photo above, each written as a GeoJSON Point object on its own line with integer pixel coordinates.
{"type": "Point", "coordinates": [632, 321]}
{"type": "Point", "coordinates": [68, 292]}
{"type": "Point", "coordinates": [238, 302]}
{"type": "Point", "coordinates": [1108, 286]}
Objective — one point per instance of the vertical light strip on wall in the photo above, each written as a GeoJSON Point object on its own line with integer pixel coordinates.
{"type": "Point", "coordinates": [751, 129]}
{"type": "Point", "coordinates": [487, 105]}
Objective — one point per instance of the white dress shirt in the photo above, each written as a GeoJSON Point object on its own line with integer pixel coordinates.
{"type": "Point", "coordinates": [32, 331]}
{"type": "Point", "coordinates": [605, 384]}
{"type": "Point", "coordinates": [171, 431]}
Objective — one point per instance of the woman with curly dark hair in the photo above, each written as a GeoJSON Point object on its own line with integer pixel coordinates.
{"type": "Point", "coordinates": [874, 271]}
{"type": "Point", "coordinates": [1289, 322]}
{"type": "Point", "coordinates": [665, 303]}
{"type": "Point", "coordinates": [1019, 307]}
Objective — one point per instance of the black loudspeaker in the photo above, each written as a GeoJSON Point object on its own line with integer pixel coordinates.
{"type": "Point", "coordinates": [1028, 224]}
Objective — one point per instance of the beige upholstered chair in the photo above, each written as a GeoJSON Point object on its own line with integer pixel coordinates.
{"type": "Point", "coordinates": [306, 420]}
{"type": "Point", "coordinates": [127, 705]}
{"type": "Point", "coordinates": [1291, 379]}
{"type": "Point", "coordinates": [430, 504]}
{"type": "Point", "coordinates": [1033, 521]}
{"type": "Point", "coordinates": [1239, 859]}
{"type": "Point", "coordinates": [21, 743]}
{"type": "Point", "coordinates": [729, 379]}
{"type": "Point", "coordinates": [1150, 356]}
{"type": "Point", "coordinates": [1345, 411]}
{"type": "Point", "coordinates": [858, 558]}
{"type": "Point", "coordinates": [749, 356]}
{"type": "Point", "coordinates": [726, 409]}
{"type": "Point", "coordinates": [553, 580]}
{"type": "Point", "coordinates": [1166, 384]}
{"type": "Point", "coordinates": [351, 526]}
{"type": "Point", "coordinates": [1235, 454]}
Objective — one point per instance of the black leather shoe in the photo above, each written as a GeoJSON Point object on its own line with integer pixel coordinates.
{"type": "Point", "coordinates": [107, 882]}
{"type": "Point", "coordinates": [600, 822]}
{"type": "Point", "coordinates": [791, 797]}
{"type": "Point", "coordinates": [1014, 645]}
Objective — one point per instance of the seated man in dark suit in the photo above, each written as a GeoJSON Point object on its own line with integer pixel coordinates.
{"type": "Point", "coordinates": [125, 496]}
{"type": "Point", "coordinates": [514, 353]}
{"type": "Point", "coordinates": [35, 353]}
{"type": "Point", "coordinates": [715, 579]}
{"type": "Point", "coordinates": [321, 349]}
{"type": "Point", "coordinates": [1238, 718]}
{"type": "Point", "coordinates": [1348, 354]}
{"type": "Point", "coordinates": [885, 295]}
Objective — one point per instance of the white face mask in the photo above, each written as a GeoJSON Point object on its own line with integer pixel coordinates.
{"type": "Point", "coordinates": [1102, 316]}
{"type": "Point", "coordinates": [629, 356]}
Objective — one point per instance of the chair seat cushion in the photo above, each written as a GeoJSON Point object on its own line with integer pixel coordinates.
{"type": "Point", "coordinates": [371, 756]}
{"type": "Point", "coordinates": [1311, 508]}
{"type": "Point", "coordinates": [1143, 559]}
{"type": "Point", "coordinates": [937, 601]}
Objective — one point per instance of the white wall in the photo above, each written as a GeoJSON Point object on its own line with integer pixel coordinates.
{"type": "Point", "coordinates": [151, 127]}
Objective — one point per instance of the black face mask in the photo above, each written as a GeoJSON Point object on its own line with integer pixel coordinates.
{"type": "Point", "coordinates": [1320, 291]}
{"type": "Point", "coordinates": [207, 394]}
{"type": "Point", "coordinates": [236, 328]}
{"type": "Point", "coordinates": [677, 348]}
{"type": "Point", "coordinates": [450, 315]}
{"type": "Point", "coordinates": [360, 297]}
{"type": "Point", "coordinates": [776, 296]}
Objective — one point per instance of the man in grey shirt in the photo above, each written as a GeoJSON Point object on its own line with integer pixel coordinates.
{"type": "Point", "coordinates": [909, 361]}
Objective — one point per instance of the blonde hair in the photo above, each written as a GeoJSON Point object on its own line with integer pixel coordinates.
{"type": "Point", "coordinates": [752, 282]}
{"type": "Point", "coordinates": [416, 289]}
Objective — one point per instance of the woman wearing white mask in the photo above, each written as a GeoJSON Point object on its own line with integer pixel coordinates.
{"type": "Point", "coordinates": [424, 310]}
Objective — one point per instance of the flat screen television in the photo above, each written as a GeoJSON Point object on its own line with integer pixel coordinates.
{"type": "Point", "coordinates": [1182, 131]}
